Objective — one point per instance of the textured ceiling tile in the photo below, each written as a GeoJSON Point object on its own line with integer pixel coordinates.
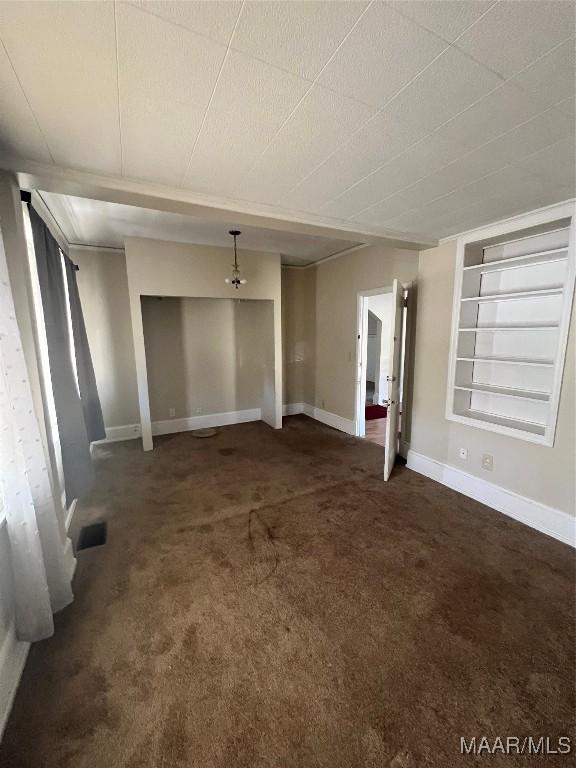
{"type": "Point", "coordinates": [19, 132]}
{"type": "Point", "coordinates": [412, 221]}
{"type": "Point", "coordinates": [447, 87]}
{"type": "Point", "coordinates": [379, 141]}
{"type": "Point", "coordinates": [543, 130]}
{"type": "Point", "coordinates": [215, 19]}
{"type": "Point", "coordinates": [447, 18]}
{"type": "Point", "coordinates": [552, 78]}
{"type": "Point", "coordinates": [500, 111]}
{"type": "Point", "coordinates": [319, 126]}
{"type": "Point", "coordinates": [297, 36]}
{"type": "Point", "coordinates": [424, 158]}
{"type": "Point", "coordinates": [510, 182]}
{"type": "Point", "coordinates": [251, 102]}
{"type": "Point", "coordinates": [513, 34]}
{"type": "Point", "coordinates": [382, 54]}
{"type": "Point", "coordinates": [393, 177]}
{"type": "Point", "coordinates": [327, 181]}
{"type": "Point", "coordinates": [392, 207]}
{"type": "Point", "coordinates": [166, 77]}
{"type": "Point", "coordinates": [567, 106]}
{"type": "Point", "coordinates": [554, 164]}
{"type": "Point", "coordinates": [458, 220]}
{"type": "Point", "coordinates": [65, 58]}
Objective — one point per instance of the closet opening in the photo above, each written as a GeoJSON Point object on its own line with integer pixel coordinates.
{"type": "Point", "coordinates": [210, 362]}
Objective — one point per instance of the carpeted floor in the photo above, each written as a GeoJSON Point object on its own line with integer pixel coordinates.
{"type": "Point", "coordinates": [264, 599]}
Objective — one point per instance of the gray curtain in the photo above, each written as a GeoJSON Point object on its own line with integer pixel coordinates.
{"type": "Point", "coordinates": [74, 441]}
{"type": "Point", "coordinates": [86, 380]}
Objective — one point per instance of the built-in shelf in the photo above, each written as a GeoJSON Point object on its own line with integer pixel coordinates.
{"type": "Point", "coordinates": [521, 394]}
{"type": "Point", "coordinates": [526, 327]}
{"type": "Point", "coordinates": [523, 425]}
{"type": "Point", "coordinates": [554, 291]}
{"type": "Point", "coordinates": [512, 301]}
{"type": "Point", "coordinates": [514, 262]}
{"type": "Point", "coordinates": [511, 360]}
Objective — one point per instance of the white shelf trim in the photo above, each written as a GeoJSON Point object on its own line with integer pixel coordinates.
{"type": "Point", "coordinates": [492, 389]}
{"type": "Point", "coordinates": [515, 262]}
{"type": "Point", "coordinates": [533, 427]}
{"type": "Point", "coordinates": [491, 329]}
{"type": "Point", "coordinates": [511, 360]}
{"type": "Point", "coordinates": [540, 293]}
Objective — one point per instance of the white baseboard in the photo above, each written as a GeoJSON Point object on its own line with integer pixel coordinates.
{"type": "Point", "coordinates": [170, 426]}
{"type": "Point", "coordinates": [13, 655]}
{"type": "Point", "coordinates": [545, 519]}
{"type": "Point", "coordinates": [292, 409]}
{"type": "Point", "coordinates": [331, 419]}
{"type": "Point", "coordinates": [70, 513]}
{"type": "Point", "coordinates": [205, 421]}
{"type": "Point", "coordinates": [69, 559]}
{"type": "Point", "coordinates": [118, 434]}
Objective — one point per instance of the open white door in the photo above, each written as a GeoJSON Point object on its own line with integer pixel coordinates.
{"type": "Point", "coordinates": [361, 355]}
{"type": "Point", "coordinates": [393, 403]}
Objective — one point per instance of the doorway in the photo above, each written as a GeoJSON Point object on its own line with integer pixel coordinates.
{"type": "Point", "coordinates": [381, 347]}
{"type": "Point", "coordinates": [377, 363]}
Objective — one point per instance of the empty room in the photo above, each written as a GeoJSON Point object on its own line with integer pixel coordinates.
{"type": "Point", "coordinates": [287, 383]}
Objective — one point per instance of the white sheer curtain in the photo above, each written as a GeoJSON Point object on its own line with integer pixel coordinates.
{"type": "Point", "coordinates": [40, 576]}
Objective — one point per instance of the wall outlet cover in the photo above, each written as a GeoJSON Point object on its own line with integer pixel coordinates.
{"type": "Point", "coordinates": [487, 462]}
{"type": "Point", "coordinates": [172, 412]}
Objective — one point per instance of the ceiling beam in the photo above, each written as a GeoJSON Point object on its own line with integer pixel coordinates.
{"type": "Point", "coordinates": [50, 178]}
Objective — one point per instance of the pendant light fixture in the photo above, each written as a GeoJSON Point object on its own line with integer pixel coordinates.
{"type": "Point", "coordinates": [235, 280]}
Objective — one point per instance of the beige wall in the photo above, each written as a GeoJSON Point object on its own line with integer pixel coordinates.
{"type": "Point", "coordinates": [103, 287]}
{"type": "Point", "coordinates": [337, 285]}
{"type": "Point", "coordinates": [540, 473]}
{"type": "Point", "coordinates": [204, 356]}
{"type": "Point", "coordinates": [161, 268]}
{"type": "Point", "coordinates": [240, 331]}
{"type": "Point", "coordinates": [298, 333]}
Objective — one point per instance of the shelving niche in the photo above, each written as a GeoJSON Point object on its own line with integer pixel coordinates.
{"type": "Point", "coordinates": [512, 304]}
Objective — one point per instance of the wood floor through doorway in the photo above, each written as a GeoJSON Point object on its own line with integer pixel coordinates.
{"type": "Point", "coordinates": [265, 600]}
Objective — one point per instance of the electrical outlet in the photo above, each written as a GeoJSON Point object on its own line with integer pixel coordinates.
{"type": "Point", "coordinates": [487, 462]}
{"type": "Point", "coordinates": [171, 412]}
{"type": "Point", "coordinates": [464, 454]}
{"type": "Point", "coordinates": [198, 410]}
{"type": "Point", "coordinates": [323, 404]}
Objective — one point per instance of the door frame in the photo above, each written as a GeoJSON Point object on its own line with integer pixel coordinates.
{"type": "Point", "coordinates": [361, 349]}
{"type": "Point", "coordinates": [360, 375]}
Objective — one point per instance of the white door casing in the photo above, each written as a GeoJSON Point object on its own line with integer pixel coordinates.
{"type": "Point", "coordinates": [391, 440]}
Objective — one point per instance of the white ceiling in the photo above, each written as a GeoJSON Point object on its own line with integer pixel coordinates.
{"type": "Point", "coordinates": [429, 117]}
{"type": "Point", "coordinates": [94, 222]}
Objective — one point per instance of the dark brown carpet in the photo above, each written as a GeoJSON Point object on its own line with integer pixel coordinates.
{"type": "Point", "coordinates": [264, 599]}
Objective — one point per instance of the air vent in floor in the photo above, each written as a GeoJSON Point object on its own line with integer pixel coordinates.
{"type": "Point", "coordinates": [92, 536]}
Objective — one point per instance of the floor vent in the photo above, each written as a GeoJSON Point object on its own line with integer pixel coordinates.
{"type": "Point", "coordinates": [92, 536]}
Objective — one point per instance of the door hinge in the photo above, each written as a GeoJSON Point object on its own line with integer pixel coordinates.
{"type": "Point", "coordinates": [405, 301]}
